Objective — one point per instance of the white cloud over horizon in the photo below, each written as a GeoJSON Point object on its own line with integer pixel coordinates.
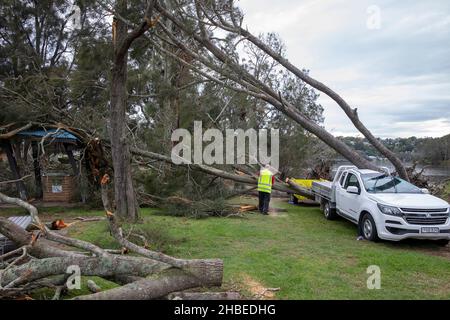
{"type": "Point", "coordinates": [397, 76]}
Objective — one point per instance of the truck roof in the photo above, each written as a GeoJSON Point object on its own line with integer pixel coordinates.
{"type": "Point", "coordinates": [360, 171]}
{"type": "Point", "coordinates": [366, 171]}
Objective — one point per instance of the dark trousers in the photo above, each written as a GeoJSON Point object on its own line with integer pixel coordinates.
{"type": "Point", "coordinates": [264, 199]}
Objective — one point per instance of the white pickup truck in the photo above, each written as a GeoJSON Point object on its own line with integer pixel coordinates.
{"type": "Point", "coordinates": [383, 206]}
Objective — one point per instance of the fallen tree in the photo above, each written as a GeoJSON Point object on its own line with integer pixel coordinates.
{"type": "Point", "coordinates": [97, 157]}
{"type": "Point", "coordinates": [288, 187]}
{"type": "Point", "coordinates": [192, 31]}
{"type": "Point", "coordinates": [42, 257]}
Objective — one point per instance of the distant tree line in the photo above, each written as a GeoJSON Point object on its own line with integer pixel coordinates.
{"type": "Point", "coordinates": [433, 151]}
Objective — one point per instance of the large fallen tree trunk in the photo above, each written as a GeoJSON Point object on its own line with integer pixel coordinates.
{"type": "Point", "coordinates": [152, 288]}
{"type": "Point", "coordinates": [351, 113]}
{"type": "Point", "coordinates": [89, 266]}
{"type": "Point", "coordinates": [219, 61]}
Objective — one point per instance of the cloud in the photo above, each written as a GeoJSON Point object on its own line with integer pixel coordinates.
{"type": "Point", "coordinates": [397, 76]}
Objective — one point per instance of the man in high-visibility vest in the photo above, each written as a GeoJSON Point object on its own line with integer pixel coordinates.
{"type": "Point", "coordinates": [265, 183]}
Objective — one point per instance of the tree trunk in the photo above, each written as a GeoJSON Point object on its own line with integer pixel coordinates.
{"type": "Point", "coordinates": [15, 170]}
{"type": "Point", "coordinates": [37, 170]}
{"type": "Point", "coordinates": [89, 266]}
{"type": "Point", "coordinates": [126, 203]}
{"type": "Point", "coordinates": [155, 287]}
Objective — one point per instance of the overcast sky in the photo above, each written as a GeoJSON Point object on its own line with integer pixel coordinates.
{"type": "Point", "coordinates": [396, 72]}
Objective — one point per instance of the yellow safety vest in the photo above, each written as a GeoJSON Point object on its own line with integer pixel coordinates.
{"type": "Point", "coordinates": [265, 181]}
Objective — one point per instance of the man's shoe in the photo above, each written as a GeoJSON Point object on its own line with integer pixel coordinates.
{"type": "Point", "coordinates": [360, 238]}
{"type": "Point", "coordinates": [265, 213]}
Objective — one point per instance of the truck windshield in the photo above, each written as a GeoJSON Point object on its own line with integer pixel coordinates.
{"type": "Point", "coordinates": [383, 183]}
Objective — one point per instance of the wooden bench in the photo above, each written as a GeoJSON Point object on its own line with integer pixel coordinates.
{"type": "Point", "coordinates": [7, 245]}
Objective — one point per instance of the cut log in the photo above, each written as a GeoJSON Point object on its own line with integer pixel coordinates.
{"type": "Point", "coordinates": [89, 266]}
{"type": "Point", "coordinates": [246, 208]}
{"type": "Point", "coordinates": [149, 288]}
{"type": "Point", "coordinates": [59, 224]}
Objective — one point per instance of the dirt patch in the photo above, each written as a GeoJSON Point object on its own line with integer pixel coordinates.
{"type": "Point", "coordinates": [424, 246]}
{"type": "Point", "coordinates": [437, 251]}
{"type": "Point", "coordinates": [277, 210]}
{"type": "Point", "coordinates": [277, 214]}
{"type": "Point", "coordinates": [274, 212]}
{"type": "Point", "coordinates": [257, 289]}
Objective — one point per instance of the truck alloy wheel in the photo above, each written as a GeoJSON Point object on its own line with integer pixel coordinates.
{"type": "Point", "coordinates": [326, 210]}
{"type": "Point", "coordinates": [369, 229]}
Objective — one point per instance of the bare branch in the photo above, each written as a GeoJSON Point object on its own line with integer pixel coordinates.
{"type": "Point", "coordinates": [16, 180]}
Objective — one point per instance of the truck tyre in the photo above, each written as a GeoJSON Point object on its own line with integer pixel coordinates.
{"type": "Point", "coordinates": [328, 212]}
{"type": "Point", "coordinates": [294, 199]}
{"type": "Point", "coordinates": [369, 228]}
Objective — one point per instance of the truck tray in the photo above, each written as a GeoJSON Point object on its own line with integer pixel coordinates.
{"type": "Point", "coordinates": [322, 188]}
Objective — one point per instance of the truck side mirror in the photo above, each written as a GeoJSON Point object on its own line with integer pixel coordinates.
{"type": "Point", "coordinates": [353, 190]}
{"type": "Point", "coordinates": [425, 190]}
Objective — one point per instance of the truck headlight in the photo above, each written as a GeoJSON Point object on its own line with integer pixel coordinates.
{"type": "Point", "coordinates": [392, 211]}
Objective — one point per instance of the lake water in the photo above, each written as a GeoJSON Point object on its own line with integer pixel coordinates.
{"type": "Point", "coordinates": [435, 173]}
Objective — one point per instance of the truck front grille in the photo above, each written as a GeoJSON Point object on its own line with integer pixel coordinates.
{"type": "Point", "coordinates": [424, 216]}
{"type": "Point", "coordinates": [440, 210]}
{"type": "Point", "coordinates": [427, 219]}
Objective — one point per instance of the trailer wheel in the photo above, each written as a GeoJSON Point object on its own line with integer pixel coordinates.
{"type": "Point", "coordinates": [328, 212]}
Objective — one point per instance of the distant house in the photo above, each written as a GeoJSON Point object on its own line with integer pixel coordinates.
{"type": "Point", "coordinates": [24, 147]}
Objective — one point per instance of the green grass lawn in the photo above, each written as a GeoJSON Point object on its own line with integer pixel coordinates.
{"type": "Point", "coordinates": [298, 251]}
